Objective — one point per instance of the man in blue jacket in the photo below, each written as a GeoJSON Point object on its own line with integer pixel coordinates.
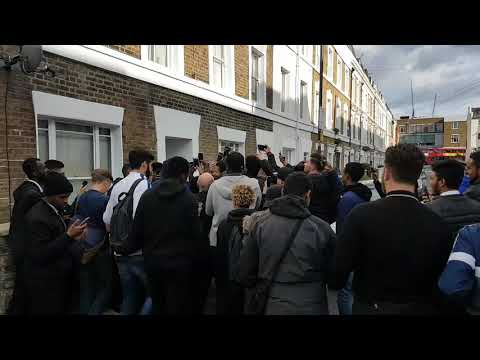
{"type": "Point", "coordinates": [353, 194]}
{"type": "Point", "coordinates": [459, 281]}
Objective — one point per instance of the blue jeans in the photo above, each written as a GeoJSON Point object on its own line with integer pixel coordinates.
{"type": "Point", "coordinates": [134, 285]}
{"type": "Point", "coordinates": [96, 284]}
{"type": "Point", "coordinates": [345, 298]}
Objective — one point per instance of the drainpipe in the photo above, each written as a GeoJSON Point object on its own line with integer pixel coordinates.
{"type": "Point", "coordinates": [350, 115]}
{"type": "Point", "coordinates": [320, 108]}
{"type": "Point", "coordinates": [297, 101]}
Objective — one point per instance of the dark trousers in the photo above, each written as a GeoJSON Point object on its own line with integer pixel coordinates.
{"type": "Point", "coordinates": [48, 295]}
{"type": "Point", "coordinates": [17, 302]}
{"type": "Point", "coordinates": [96, 284]}
{"type": "Point", "coordinates": [174, 285]}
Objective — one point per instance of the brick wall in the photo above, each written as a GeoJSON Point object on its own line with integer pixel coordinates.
{"type": "Point", "coordinates": [461, 132]}
{"type": "Point", "coordinates": [7, 274]}
{"type": "Point", "coordinates": [241, 71]}
{"type": "Point", "coordinates": [269, 99]}
{"type": "Point", "coordinates": [132, 50]}
{"type": "Point", "coordinates": [85, 82]}
{"type": "Point", "coordinates": [196, 62]}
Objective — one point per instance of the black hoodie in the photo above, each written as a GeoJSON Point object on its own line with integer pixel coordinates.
{"type": "Point", "coordinates": [25, 196]}
{"type": "Point", "coordinates": [166, 223]}
{"type": "Point", "coordinates": [324, 196]}
{"type": "Point", "coordinates": [352, 195]}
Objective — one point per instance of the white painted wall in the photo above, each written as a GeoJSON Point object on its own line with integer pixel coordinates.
{"type": "Point", "coordinates": [171, 123]}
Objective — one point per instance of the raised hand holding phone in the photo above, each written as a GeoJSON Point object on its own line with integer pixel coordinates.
{"type": "Point", "coordinates": [78, 229]}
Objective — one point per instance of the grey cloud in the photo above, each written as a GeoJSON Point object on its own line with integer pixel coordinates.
{"type": "Point", "coordinates": [447, 70]}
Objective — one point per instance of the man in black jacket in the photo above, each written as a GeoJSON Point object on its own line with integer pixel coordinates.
{"type": "Point", "coordinates": [396, 246]}
{"type": "Point", "coordinates": [326, 189]}
{"type": "Point", "coordinates": [473, 172]}
{"type": "Point", "coordinates": [456, 209]}
{"type": "Point", "coordinates": [171, 243]}
{"type": "Point", "coordinates": [25, 196]}
{"type": "Point", "coordinates": [51, 250]}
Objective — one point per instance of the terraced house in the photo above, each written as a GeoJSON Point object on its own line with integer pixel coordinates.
{"type": "Point", "coordinates": [184, 99]}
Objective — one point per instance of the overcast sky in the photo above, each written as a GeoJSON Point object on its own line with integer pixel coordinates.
{"type": "Point", "coordinates": [451, 71]}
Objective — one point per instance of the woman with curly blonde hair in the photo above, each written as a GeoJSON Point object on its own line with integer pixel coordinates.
{"type": "Point", "coordinates": [230, 295]}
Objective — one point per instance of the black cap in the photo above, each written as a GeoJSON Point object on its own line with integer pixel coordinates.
{"type": "Point", "coordinates": [57, 184]}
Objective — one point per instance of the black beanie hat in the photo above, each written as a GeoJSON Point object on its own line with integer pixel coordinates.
{"type": "Point", "coordinates": [56, 184]}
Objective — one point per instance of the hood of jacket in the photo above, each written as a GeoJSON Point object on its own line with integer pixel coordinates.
{"type": "Point", "coordinates": [166, 188]}
{"type": "Point", "coordinates": [290, 206]}
{"type": "Point", "coordinates": [359, 189]}
{"type": "Point", "coordinates": [236, 216]}
{"type": "Point", "coordinates": [226, 183]}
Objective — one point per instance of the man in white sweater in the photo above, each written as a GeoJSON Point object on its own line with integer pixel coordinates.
{"type": "Point", "coordinates": [219, 198]}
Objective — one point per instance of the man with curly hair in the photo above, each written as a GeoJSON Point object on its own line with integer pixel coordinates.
{"type": "Point", "coordinates": [230, 295]}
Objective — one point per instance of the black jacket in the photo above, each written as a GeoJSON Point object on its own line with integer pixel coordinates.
{"type": "Point", "coordinates": [166, 223]}
{"type": "Point", "coordinates": [324, 196]}
{"type": "Point", "coordinates": [25, 196]}
{"type": "Point", "coordinates": [205, 220]}
{"type": "Point", "coordinates": [230, 295]}
{"type": "Point", "coordinates": [473, 191]}
{"type": "Point", "coordinates": [397, 248]}
{"type": "Point", "coordinates": [49, 251]}
{"type": "Point", "coordinates": [457, 211]}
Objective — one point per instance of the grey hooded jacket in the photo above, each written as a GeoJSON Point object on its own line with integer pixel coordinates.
{"type": "Point", "coordinates": [219, 199]}
{"type": "Point", "coordinates": [299, 287]}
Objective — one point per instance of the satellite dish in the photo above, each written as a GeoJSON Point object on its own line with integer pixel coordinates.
{"type": "Point", "coordinates": [31, 57]}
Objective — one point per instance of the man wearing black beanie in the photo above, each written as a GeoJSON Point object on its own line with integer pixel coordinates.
{"type": "Point", "coordinates": [50, 250]}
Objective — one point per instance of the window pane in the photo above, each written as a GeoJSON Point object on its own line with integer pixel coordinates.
{"type": "Point", "coordinates": [160, 54]}
{"type": "Point", "coordinates": [76, 152]}
{"type": "Point", "coordinates": [217, 73]}
{"type": "Point", "coordinates": [74, 127]}
{"type": "Point", "coordinates": [104, 131]}
{"type": "Point", "coordinates": [105, 153]}
{"type": "Point", "coordinates": [43, 124]}
{"type": "Point", "coordinates": [43, 145]}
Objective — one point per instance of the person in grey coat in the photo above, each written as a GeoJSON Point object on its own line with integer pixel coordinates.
{"type": "Point", "coordinates": [300, 285]}
{"type": "Point", "coordinates": [456, 209]}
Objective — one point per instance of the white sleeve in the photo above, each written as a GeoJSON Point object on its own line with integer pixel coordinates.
{"type": "Point", "coordinates": [107, 215]}
{"type": "Point", "coordinates": [259, 196]}
{"type": "Point", "coordinates": [139, 190]}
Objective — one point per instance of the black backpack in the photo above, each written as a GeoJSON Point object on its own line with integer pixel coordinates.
{"type": "Point", "coordinates": [122, 218]}
{"type": "Point", "coordinates": [235, 245]}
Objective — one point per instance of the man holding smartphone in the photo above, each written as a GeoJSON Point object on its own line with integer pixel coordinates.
{"type": "Point", "coordinates": [51, 250]}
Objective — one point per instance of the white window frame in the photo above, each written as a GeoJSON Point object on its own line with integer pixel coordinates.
{"type": "Point", "coordinates": [316, 103]}
{"type": "Point", "coordinates": [346, 89]}
{"type": "Point", "coordinates": [261, 52]}
{"type": "Point", "coordinates": [289, 154]}
{"type": "Point", "coordinates": [228, 85]}
{"type": "Point", "coordinates": [345, 118]}
{"type": "Point", "coordinates": [339, 72]}
{"type": "Point", "coordinates": [330, 64]}
{"type": "Point", "coordinates": [303, 100]}
{"type": "Point", "coordinates": [175, 59]}
{"type": "Point", "coordinates": [329, 110]}
{"type": "Point", "coordinates": [80, 112]}
{"type": "Point", "coordinates": [338, 114]}
{"type": "Point", "coordinates": [231, 136]}
{"type": "Point", "coordinates": [285, 92]}
{"type": "Point", "coordinates": [316, 48]}
{"type": "Point", "coordinates": [455, 137]}
{"type": "Point", "coordinates": [455, 125]}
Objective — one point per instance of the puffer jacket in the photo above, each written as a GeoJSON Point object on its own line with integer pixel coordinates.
{"type": "Point", "coordinates": [299, 287]}
{"type": "Point", "coordinates": [353, 195]}
{"type": "Point", "coordinates": [325, 195]}
{"type": "Point", "coordinates": [457, 211]}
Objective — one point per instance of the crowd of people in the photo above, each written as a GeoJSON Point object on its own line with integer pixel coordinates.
{"type": "Point", "coordinates": [265, 238]}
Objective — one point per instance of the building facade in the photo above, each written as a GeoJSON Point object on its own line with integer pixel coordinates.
{"type": "Point", "coordinates": [473, 136]}
{"type": "Point", "coordinates": [455, 133]}
{"type": "Point", "coordinates": [106, 100]}
{"type": "Point", "coordinates": [426, 133]}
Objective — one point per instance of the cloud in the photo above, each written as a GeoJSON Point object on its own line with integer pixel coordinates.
{"type": "Point", "coordinates": [450, 71]}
